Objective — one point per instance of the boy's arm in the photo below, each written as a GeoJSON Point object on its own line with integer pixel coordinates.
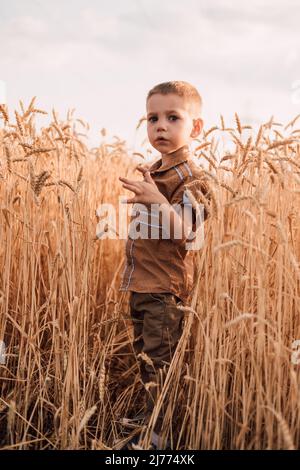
{"type": "Point", "coordinates": [195, 192]}
{"type": "Point", "coordinates": [194, 195]}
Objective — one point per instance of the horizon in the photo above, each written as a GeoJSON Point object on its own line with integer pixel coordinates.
{"type": "Point", "coordinates": [105, 58]}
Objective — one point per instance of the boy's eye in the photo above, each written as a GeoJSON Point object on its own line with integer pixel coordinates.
{"type": "Point", "coordinates": [154, 117]}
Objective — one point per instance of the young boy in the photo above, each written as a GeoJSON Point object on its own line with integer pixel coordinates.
{"type": "Point", "coordinates": [159, 270]}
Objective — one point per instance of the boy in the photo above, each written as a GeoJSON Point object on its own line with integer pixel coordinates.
{"type": "Point", "coordinates": [159, 271]}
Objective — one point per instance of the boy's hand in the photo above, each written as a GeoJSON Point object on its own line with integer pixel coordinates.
{"type": "Point", "coordinates": [143, 167]}
{"type": "Point", "coordinates": [146, 191]}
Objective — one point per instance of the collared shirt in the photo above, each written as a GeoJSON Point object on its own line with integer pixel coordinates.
{"type": "Point", "coordinates": [158, 264]}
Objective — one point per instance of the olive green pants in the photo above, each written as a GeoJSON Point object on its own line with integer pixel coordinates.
{"type": "Point", "coordinates": [157, 324]}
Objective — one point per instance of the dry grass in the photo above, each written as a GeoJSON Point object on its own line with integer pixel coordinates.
{"type": "Point", "coordinates": [70, 373]}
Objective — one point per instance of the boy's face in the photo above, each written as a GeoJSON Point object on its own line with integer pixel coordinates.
{"type": "Point", "coordinates": [171, 117]}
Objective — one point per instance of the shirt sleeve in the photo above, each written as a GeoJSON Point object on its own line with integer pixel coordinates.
{"type": "Point", "coordinates": [193, 191]}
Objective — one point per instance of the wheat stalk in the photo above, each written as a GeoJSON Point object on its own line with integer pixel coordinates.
{"type": "Point", "coordinates": [8, 158]}
{"type": "Point", "coordinates": [4, 112]}
{"type": "Point", "coordinates": [102, 383]}
{"type": "Point", "coordinates": [20, 124]}
{"type": "Point", "coordinates": [280, 143]}
{"type": "Point", "coordinates": [238, 123]}
{"type": "Point", "coordinates": [206, 134]}
{"type": "Point", "coordinates": [40, 181]}
{"type": "Point", "coordinates": [284, 428]}
{"type": "Point", "coordinates": [88, 414]}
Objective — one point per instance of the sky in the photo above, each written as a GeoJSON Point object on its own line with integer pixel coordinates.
{"type": "Point", "coordinates": [101, 57]}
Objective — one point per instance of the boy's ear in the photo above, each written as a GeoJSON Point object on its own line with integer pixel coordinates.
{"type": "Point", "coordinates": [198, 126]}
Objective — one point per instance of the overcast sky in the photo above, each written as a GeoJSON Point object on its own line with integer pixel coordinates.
{"type": "Point", "coordinates": [102, 57]}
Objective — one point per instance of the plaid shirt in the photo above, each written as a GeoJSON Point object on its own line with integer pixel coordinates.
{"type": "Point", "coordinates": [159, 265]}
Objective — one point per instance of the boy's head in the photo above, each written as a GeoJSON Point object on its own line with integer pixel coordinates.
{"type": "Point", "coordinates": [173, 112]}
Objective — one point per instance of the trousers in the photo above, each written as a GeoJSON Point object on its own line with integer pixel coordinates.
{"type": "Point", "coordinates": [157, 326]}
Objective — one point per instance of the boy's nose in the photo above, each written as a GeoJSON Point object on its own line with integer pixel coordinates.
{"type": "Point", "coordinates": [161, 127]}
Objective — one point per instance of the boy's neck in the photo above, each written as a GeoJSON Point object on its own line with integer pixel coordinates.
{"type": "Point", "coordinates": [168, 160]}
{"type": "Point", "coordinates": [181, 151]}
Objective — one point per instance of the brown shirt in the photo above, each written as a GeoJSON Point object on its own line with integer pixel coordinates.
{"type": "Point", "coordinates": [160, 265]}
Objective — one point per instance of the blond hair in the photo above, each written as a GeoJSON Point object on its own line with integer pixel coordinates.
{"type": "Point", "coordinates": [183, 89]}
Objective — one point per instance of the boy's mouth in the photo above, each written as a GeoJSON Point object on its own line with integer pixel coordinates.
{"type": "Point", "coordinates": [161, 139]}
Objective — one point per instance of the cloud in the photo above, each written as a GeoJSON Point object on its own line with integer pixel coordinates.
{"type": "Point", "coordinates": [102, 57]}
{"type": "Point", "coordinates": [24, 26]}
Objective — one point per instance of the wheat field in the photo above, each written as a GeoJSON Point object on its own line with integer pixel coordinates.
{"type": "Point", "coordinates": [70, 374]}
